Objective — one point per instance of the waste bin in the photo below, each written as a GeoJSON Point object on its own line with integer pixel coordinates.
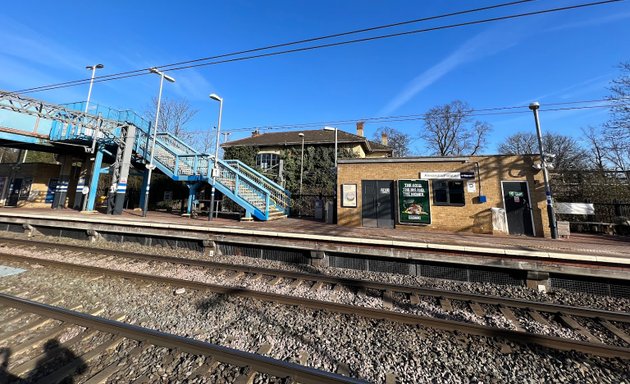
{"type": "Point", "coordinates": [330, 212]}
{"type": "Point", "coordinates": [319, 209]}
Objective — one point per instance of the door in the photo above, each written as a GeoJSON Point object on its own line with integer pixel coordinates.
{"type": "Point", "coordinates": [377, 203]}
{"type": "Point", "coordinates": [517, 208]}
{"type": "Point", "coordinates": [14, 192]}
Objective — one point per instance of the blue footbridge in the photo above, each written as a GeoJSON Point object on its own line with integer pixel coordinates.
{"type": "Point", "coordinates": [126, 138]}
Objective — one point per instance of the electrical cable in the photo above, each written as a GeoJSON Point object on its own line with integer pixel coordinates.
{"type": "Point", "coordinates": [280, 45]}
{"type": "Point", "coordinates": [302, 49]}
{"type": "Point", "coordinates": [494, 111]}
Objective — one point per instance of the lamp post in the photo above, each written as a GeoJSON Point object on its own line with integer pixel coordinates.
{"type": "Point", "coordinates": [550, 213]}
{"type": "Point", "coordinates": [151, 166]}
{"type": "Point", "coordinates": [93, 68]}
{"type": "Point", "coordinates": [301, 134]}
{"type": "Point", "coordinates": [215, 168]}
{"type": "Point", "coordinates": [336, 131]}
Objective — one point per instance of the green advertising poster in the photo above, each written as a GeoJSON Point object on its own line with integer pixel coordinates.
{"type": "Point", "coordinates": [413, 202]}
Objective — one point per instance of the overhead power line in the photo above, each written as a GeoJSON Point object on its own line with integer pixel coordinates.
{"type": "Point", "coordinates": [177, 66]}
{"type": "Point", "coordinates": [166, 67]}
{"type": "Point", "coordinates": [492, 111]}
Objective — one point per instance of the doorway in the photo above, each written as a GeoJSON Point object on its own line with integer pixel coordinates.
{"type": "Point", "coordinates": [518, 208]}
{"type": "Point", "coordinates": [377, 203]}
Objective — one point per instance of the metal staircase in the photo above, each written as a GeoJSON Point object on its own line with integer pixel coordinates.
{"type": "Point", "coordinates": [257, 194]}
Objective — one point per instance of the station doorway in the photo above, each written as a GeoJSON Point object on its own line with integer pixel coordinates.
{"type": "Point", "coordinates": [377, 203]}
{"type": "Point", "coordinates": [518, 208]}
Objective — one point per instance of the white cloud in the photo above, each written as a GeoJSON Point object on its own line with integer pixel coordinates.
{"type": "Point", "coordinates": [24, 43]}
{"type": "Point", "coordinates": [484, 44]}
{"type": "Point", "coordinates": [591, 22]}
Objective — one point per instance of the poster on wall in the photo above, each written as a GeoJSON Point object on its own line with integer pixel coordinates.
{"type": "Point", "coordinates": [413, 202]}
{"type": "Point", "coordinates": [349, 195]}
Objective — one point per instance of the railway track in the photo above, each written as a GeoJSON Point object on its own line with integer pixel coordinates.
{"type": "Point", "coordinates": [92, 349]}
{"type": "Point", "coordinates": [590, 331]}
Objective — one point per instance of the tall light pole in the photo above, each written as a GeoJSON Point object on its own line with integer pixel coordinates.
{"type": "Point", "coordinates": [151, 166]}
{"type": "Point", "coordinates": [336, 131]}
{"type": "Point", "coordinates": [301, 134]}
{"type": "Point", "coordinates": [550, 213]}
{"type": "Point", "coordinates": [215, 168]}
{"type": "Point", "coordinates": [93, 68]}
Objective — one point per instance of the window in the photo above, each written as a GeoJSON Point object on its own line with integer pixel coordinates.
{"type": "Point", "coordinates": [448, 192]}
{"type": "Point", "coordinates": [267, 161]}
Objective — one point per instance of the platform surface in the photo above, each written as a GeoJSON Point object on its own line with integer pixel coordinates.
{"type": "Point", "coordinates": [603, 247]}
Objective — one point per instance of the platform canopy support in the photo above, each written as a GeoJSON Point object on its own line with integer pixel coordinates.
{"type": "Point", "coordinates": [61, 190]}
{"type": "Point", "coordinates": [96, 173]}
{"type": "Point", "coordinates": [79, 197]}
{"type": "Point", "coordinates": [192, 194]}
{"type": "Point", "coordinates": [145, 186]}
{"type": "Point", "coordinates": [120, 171]}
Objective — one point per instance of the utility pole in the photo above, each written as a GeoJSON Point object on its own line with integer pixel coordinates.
{"type": "Point", "coordinates": [552, 216]}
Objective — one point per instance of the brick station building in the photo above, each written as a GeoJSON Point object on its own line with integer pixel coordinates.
{"type": "Point", "coordinates": [480, 194]}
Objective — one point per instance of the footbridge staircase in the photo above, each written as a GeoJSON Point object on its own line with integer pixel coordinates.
{"type": "Point", "coordinates": [36, 122]}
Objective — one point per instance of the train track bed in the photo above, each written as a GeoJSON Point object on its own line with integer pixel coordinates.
{"type": "Point", "coordinates": [570, 323]}
{"type": "Point", "coordinates": [558, 296]}
{"type": "Point", "coordinates": [362, 347]}
{"type": "Point", "coordinates": [53, 345]}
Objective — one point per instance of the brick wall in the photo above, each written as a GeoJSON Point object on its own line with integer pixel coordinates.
{"type": "Point", "coordinates": [473, 216]}
{"type": "Point", "coordinates": [41, 174]}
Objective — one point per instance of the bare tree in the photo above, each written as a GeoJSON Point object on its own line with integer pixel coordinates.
{"type": "Point", "coordinates": [450, 131]}
{"type": "Point", "coordinates": [520, 143]}
{"type": "Point", "coordinates": [597, 146]}
{"type": "Point", "coordinates": [617, 128]}
{"type": "Point", "coordinates": [619, 122]}
{"type": "Point", "coordinates": [204, 141]}
{"type": "Point", "coordinates": [569, 154]}
{"type": "Point", "coordinates": [398, 141]}
{"type": "Point", "coordinates": [174, 115]}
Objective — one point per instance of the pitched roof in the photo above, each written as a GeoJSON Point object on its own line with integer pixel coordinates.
{"type": "Point", "coordinates": [317, 136]}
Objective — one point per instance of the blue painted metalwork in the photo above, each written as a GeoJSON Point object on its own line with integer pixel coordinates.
{"type": "Point", "coordinates": [96, 173]}
{"type": "Point", "coordinates": [176, 159]}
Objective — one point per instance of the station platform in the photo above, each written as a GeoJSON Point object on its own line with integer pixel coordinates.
{"type": "Point", "coordinates": [597, 255]}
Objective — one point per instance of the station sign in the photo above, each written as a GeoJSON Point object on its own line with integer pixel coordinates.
{"type": "Point", "coordinates": [413, 202]}
{"type": "Point", "coordinates": [447, 175]}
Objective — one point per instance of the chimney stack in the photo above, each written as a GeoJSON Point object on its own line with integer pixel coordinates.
{"type": "Point", "coordinates": [384, 138]}
{"type": "Point", "coordinates": [255, 132]}
{"type": "Point", "coordinates": [360, 128]}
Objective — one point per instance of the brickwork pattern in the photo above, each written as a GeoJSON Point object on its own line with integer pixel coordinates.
{"type": "Point", "coordinates": [473, 216]}
{"type": "Point", "coordinates": [41, 174]}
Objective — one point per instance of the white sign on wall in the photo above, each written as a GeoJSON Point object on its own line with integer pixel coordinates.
{"type": "Point", "coordinates": [440, 175]}
{"type": "Point", "coordinates": [471, 186]}
{"type": "Point", "coordinates": [575, 208]}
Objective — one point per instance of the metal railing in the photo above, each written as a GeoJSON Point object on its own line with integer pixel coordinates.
{"type": "Point", "coordinates": [279, 196]}
{"type": "Point", "coordinates": [178, 159]}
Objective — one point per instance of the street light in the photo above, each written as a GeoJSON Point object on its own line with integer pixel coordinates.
{"type": "Point", "coordinates": [215, 169]}
{"type": "Point", "coordinates": [93, 68]}
{"type": "Point", "coordinates": [301, 162]}
{"type": "Point", "coordinates": [151, 166]}
{"type": "Point", "coordinates": [552, 217]}
{"type": "Point", "coordinates": [336, 130]}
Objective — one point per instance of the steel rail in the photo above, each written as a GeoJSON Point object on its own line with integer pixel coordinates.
{"type": "Point", "coordinates": [355, 283]}
{"type": "Point", "coordinates": [520, 337]}
{"type": "Point", "coordinates": [259, 363]}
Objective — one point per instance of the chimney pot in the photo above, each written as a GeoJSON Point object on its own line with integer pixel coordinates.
{"type": "Point", "coordinates": [360, 128]}
{"type": "Point", "coordinates": [384, 138]}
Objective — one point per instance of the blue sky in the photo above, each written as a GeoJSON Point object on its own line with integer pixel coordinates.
{"type": "Point", "coordinates": [551, 58]}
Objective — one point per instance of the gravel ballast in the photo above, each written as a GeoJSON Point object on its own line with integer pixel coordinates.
{"type": "Point", "coordinates": [369, 348]}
